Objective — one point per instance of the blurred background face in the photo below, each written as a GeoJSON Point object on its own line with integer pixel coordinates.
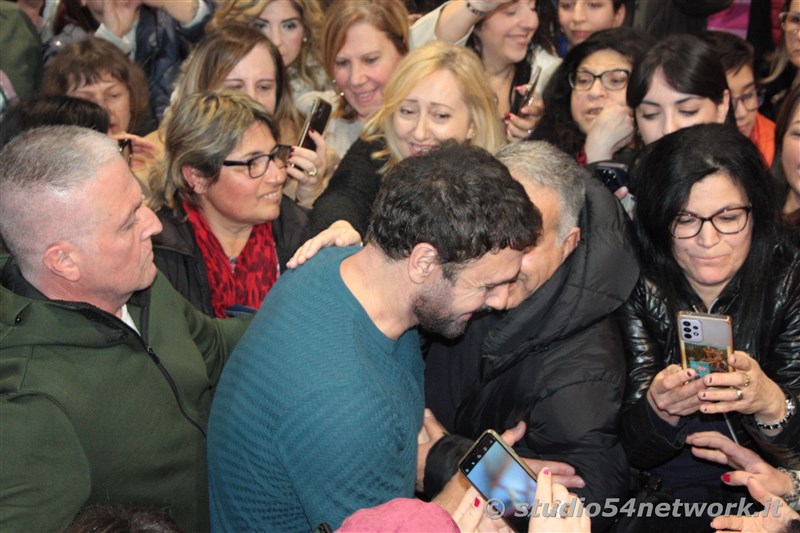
{"type": "Point", "coordinates": [281, 23]}
{"type": "Point", "coordinates": [710, 259]}
{"type": "Point", "coordinates": [113, 96]}
{"type": "Point", "coordinates": [586, 105]}
{"type": "Point", "coordinates": [581, 18]}
{"type": "Point", "coordinates": [664, 110]}
{"type": "Point", "coordinates": [792, 35]}
{"type": "Point", "coordinates": [236, 198]}
{"type": "Point", "coordinates": [506, 32]}
{"type": "Point", "coordinates": [434, 111]}
{"type": "Point", "coordinates": [363, 66]}
{"type": "Point", "coordinates": [744, 97]}
{"type": "Point", "coordinates": [790, 160]}
{"type": "Point", "coordinates": [255, 76]}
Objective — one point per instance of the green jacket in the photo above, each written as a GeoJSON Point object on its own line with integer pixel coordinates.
{"type": "Point", "coordinates": [92, 413]}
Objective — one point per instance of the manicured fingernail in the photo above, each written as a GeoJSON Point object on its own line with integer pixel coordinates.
{"type": "Point", "coordinates": [704, 396]}
{"type": "Point", "coordinates": [710, 380]}
{"type": "Point", "coordinates": [312, 130]}
{"type": "Point", "coordinates": [688, 374]}
{"type": "Point", "coordinates": [546, 471]}
{"type": "Point", "coordinates": [726, 478]}
{"type": "Point", "coordinates": [477, 502]}
{"type": "Point", "coordinates": [507, 116]}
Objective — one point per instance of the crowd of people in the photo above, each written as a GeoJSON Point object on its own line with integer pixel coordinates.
{"type": "Point", "coordinates": [207, 323]}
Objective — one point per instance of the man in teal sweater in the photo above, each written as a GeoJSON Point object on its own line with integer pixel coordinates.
{"type": "Point", "coordinates": [318, 410]}
{"type": "Point", "coordinates": [107, 372]}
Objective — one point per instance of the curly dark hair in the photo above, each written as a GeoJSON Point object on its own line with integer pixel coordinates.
{"type": "Point", "coordinates": [457, 198]}
{"type": "Point", "coordinates": [557, 125]}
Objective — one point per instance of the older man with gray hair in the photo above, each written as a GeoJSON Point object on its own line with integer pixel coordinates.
{"type": "Point", "coordinates": [556, 359]}
{"type": "Point", "coordinates": [107, 373]}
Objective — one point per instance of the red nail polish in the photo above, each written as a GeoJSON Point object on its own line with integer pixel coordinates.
{"type": "Point", "coordinates": [477, 502]}
{"type": "Point", "coordinates": [507, 116]}
{"type": "Point", "coordinates": [546, 471]}
{"type": "Point", "coordinates": [710, 380]}
{"type": "Point", "coordinates": [312, 130]}
{"type": "Point", "coordinates": [726, 478]}
{"type": "Point", "coordinates": [688, 374]}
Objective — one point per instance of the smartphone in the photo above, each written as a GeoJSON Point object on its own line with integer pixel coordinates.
{"type": "Point", "coordinates": [317, 119]}
{"type": "Point", "coordinates": [613, 175]}
{"type": "Point", "coordinates": [502, 478]}
{"type": "Point", "coordinates": [706, 342]}
{"type": "Point", "coordinates": [527, 98]}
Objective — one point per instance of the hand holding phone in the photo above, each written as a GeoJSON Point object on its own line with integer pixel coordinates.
{"type": "Point", "coordinates": [317, 120]}
{"type": "Point", "coordinates": [706, 341]}
{"type": "Point", "coordinates": [502, 478]}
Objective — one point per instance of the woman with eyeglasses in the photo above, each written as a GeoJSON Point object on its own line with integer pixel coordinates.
{"type": "Point", "coordinates": [228, 228]}
{"type": "Point", "coordinates": [585, 113]}
{"type": "Point", "coordinates": [785, 61]}
{"type": "Point", "coordinates": [710, 242]}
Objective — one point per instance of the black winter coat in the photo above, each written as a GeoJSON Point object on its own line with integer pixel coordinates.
{"type": "Point", "coordinates": [178, 257]}
{"type": "Point", "coordinates": [352, 189]}
{"type": "Point", "coordinates": [556, 362]}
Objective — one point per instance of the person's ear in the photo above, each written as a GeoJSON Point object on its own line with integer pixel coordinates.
{"type": "Point", "coordinates": [423, 262]}
{"type": "Point", "coordinates": [570, 243]}
{"type": "Point", "coordinates": [196, 181]}
{"type": "Point", "coordinates": [722, 108]}
{"type": "Point", "coordinates": [619, 17]}
{"type": "Point", "coordinates": [63, 260]}
{"type": "Point", "coordinates": [471, 131]}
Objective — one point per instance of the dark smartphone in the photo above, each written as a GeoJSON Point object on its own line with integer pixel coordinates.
{"type": "Point", "coordinates": [317, 119]}
{"type": "Point", "coordinates": [502, 478]}
{"type": "Point", "coordinates": [706, 342]}
{"type": "Point", "coordinates": [527, 98]}
{"type": "Point", "coordinates": [613, 175]}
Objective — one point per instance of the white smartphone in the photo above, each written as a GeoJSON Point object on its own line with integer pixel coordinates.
{"type": "Point", "coordinates": [706, 342]}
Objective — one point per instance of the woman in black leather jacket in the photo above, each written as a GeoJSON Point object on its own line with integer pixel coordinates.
{"type": "Point", "coordinates": [710, 242]}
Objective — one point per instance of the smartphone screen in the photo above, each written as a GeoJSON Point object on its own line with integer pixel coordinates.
{"type": "Point", "coordinates": [495, 470]}
{"type": "Point", "coordinates": [706, 341]}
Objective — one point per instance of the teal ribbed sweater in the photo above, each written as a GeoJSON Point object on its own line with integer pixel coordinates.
{"type": "Point", "coordinates": [317, 412]}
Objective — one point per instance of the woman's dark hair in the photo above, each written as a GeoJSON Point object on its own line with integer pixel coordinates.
{"type": "Point", "coordinates": [788, 108]}
{"type": "Point", "coordinates": [52, 110]}
{"type": "Point", "coordinates": [72, 12]}
{"type": "Point", "coordinates": [88, 60]}
{"type": "Point", "coordinates": [666, 173]}
{"type": "Point", "coordinates": [557, 125]}
{"type": "Point", "coordinates": [690, 66]}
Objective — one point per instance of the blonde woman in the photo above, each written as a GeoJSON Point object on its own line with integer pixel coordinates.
{"type": "Point", "coordinates": [438, 92]}
{"type": "Point", "coordinates": [294, 28]}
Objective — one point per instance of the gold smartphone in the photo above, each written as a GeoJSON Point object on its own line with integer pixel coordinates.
{"type": "Point", "coordinates": [706, 342]}
{"type": "Point", "coordinates": [502, 478]}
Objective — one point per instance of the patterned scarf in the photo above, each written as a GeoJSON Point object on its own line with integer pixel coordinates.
{"type": "Point", "coordinates": [243, 280]}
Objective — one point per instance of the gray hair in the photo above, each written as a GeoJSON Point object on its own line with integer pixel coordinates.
{"type": "Point", "coordinates": [543, 165]}
{"type": "Point", "coordinates": [39, 171]}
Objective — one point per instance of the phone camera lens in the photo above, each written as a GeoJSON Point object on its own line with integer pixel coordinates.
{"type": "Point", "coordinates": [687, 330]}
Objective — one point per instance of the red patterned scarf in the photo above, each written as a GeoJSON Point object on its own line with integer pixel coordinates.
{"type": "Point", "coordinates": [243, 280]}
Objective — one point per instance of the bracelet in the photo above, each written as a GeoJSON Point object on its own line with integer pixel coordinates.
{"type": "Point", "coordinates": [793, 496]}
{"type": "Point", "coordinates": [475, 10]}
{"type": "Point", "coordinates": [790, 408]}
